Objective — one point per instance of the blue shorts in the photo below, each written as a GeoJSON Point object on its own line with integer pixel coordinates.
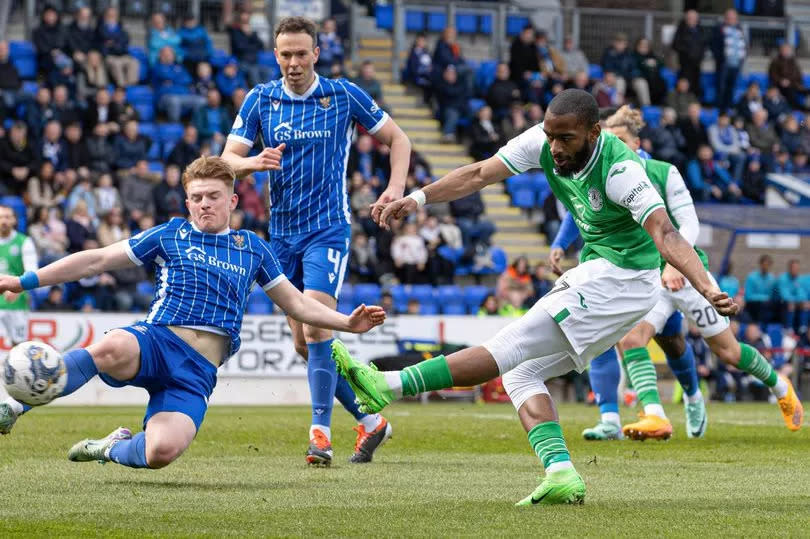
{"type": "Point", "coordinates": [315, 260]}
{"type": "Point", "coordinates": [674, 325]}
{"type": "Point", "coordinates": [177, 377]}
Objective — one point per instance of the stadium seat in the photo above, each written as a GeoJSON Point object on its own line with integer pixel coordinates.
{"type": "Point", "coordinates": [454, 309]}
{"type": "Point", "coordinates": [258, 302]}
{"type": "Point", "coordinates": [423, 293]}
{"type": "Point", "coordinates": [18, 205]}
{"type": "Point", "coordinates": [652, 115]}
{"type": "Point", "coordinates": [414, 20]}
{"type": "Point", "coordinates": [384, 15]}
{"type": "Point", "coordinates": [345, 307]}
{"type": "Point", "coordinates": [140, 94]}
{"type": "Point", "coordinates": [347, 292]}
{"type": "Point", "coordinates": [499, 262]}
{"type": "Point", "coordinates": [30, 87]}
{"type": "Point", "coordinates": [428, 309]}
{"type": "Point", "coordinates": [38, 295]}
{"type": "Point", "coordinates": [146, 111]}
{"type": "Point", "coordinates": [367, 293]}
{"type": "Point", "coordinates": [167, 133]}
{"type": "Point", "coordinates": [147, 129]}
{"type": "Point", "coordinates": [450, 253]}
{"type": "Point", "coordinates": [26, 67]}
{"type": "Point", "coordinates": [218, 59]}
{"type": "Point", "coordinates": [145, 288]}
{"type": "Point", "coordinates": [400, 296]}
{"type": "Point", "coordinates": [708, 116]}
{"type": "Point", "coordinates": [670, 76]}
{"type": "Point", "coordinates": [156, 166]}
{"type": "Point", "coordinates": [7, 123]}
{"type": "Point", "coordinates": [515, 23]}
{"type": "Point", "coordinates": [143, 62]}
{"type": "Point", "coordinates": [759, 78]}
{"type": "Point", "coordinates": [485, 24]}
{"type": "Point", "coordinates": [799, 115]}
{"type": "Point", "coordinates": [467, 23]}
{"type": "Point", "coordinates": [436, 21]}
{"type": "Point", "coordinates": [595, 72]}
{"type": "Point", "coordinates": [707, 81]}
{"type": "Point", "coordinates": [474, 296]}
{"type": "Point", "coordinates": [524, 198]}
{"type": "Point", "coordinates": [485, 75]}
{"type": "Point", "coordinates": [451, 299]}
{"type": "Point", "coordinates": [267, 58]}
{"type": "Point", "coordinates": [21, 48]}
{"type": "Point", "coordinates": [475, 104]}
{"type": "Point", "coordinates": [154, 152]}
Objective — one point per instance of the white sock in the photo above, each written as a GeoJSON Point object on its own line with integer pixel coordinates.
{"type": "Point", "coordinates": [612, 417]}
{"type": "Point", "coordinates": [655, 409]}
{"type": "Point", "coordinates": [697, 397]}
{"type": "Point", "coordinates": [323, 428]}
{"type": "Point", "coordinates": [16, 406]}
{"type": "Point", "coordinates": [558, 466]}
{"type": "Point", "coordinates": [371, 422]}
{"type": "Point", "coordinates": [394, 382]}
{"type": "Point", "coordinates": [780, 389]}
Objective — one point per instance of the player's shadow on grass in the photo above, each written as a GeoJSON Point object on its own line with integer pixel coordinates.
{"type": "Point", "coordinates": [219, 486]}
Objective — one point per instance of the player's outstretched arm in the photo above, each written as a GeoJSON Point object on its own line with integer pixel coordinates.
{"type": "Point", "coordinates": [314, 313]}
{"type": "Point", "coordinates": [71, 268]}
{"type": "Point", "coordinates": [680, 254]}
{"type": "Point", "coordinates": [235, 154]}
{"type": "Point", "coordinates": [457, 184]}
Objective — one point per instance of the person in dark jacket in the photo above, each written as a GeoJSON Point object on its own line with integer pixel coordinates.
{"type": "Point", "coordinates": [129, 147]}
{"type": "Point", "coordinates": [186, 150]}
{"type": "Point", "coordinates": [171, 82]}
{"type": "Point", "coordinates": [102, 111]}
{"type": "Point", "coordinates": [50, 40]}
{"type": "Point", "coordinates": [10, 82]}
{"type": "Point", "coordinates": [785, 73]}
{"type": "Point", "coordinates": [523, 59]}
{"type": "Point", "coordinates": [18, 160]}
{"type": "Point", "coordinates": [667, 142]}
{"type": "Point", "coordinates": [38, 113]}
{"type": "Point", "coordinates": [195, 43]}
{"type": "Point", "coordinates": [212, 122]}
{"type": "Point", "coordinates": [420, 66]}
{"type": "Point", "coordinates": [100, 149]}
{"type": "Point", "coordinates": [649, 65]}
{"type": "Point", "coordinates": [729, 51]}
{"type": "Point", "coordinates": [113, 43]}
{"type": "Point", "coordinates": [81, 36]}
{"type": "Point", "coordinates": [448, 53]}
{"type": "Point", "coordinates": [693, 130]}
{"type": "Point", "coordinates": [691, 47]}
{"type": "Point", "coordinates": [468, 212]}
{"type": "Point", "coordinates": [74, 148]}
{"type": "Point", "coordinates": [452, 96]}
{"type": "Point", "coordinates": [502, 93]}
{"type": "Point", "coordinates": [485, 138]}
{"type": "Point", "coordinates": [331, 47]}
{"type": "Point", "coordinates": [618, 59]}
{"type": "Point", "coordinates": [169, 196]}
{"type": "Point", "coordinates": [246, 46]}
{"type": "Point", "coordinates": [367, 80]}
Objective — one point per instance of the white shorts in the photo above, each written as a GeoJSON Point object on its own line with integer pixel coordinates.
{"type": "Point", "coordinates": [694, 307]}
{"type": "Point", "coordinates": [14, 326]}
{"type": "Point", "coordinates": [594, 304]}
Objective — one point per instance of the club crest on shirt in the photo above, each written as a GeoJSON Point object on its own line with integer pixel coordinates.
{"type": "Point", "coordinates": [325, 102]}
{"type": "Point", "coordinates": [238, 241]}
{"type": "Point", "coordinates": [276, 104]}
{"type": "Point", "coordinates": [595, 198]}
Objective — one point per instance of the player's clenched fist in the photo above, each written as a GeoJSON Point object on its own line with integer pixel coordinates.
{"type": "Point", "coordinates": [364, 318]}
{"type": "Point", "coordinates": [269, 158]}
{"type": "Point", "coordinates": [722, 303]}
{"type": "Point", "coordinates": [397, 209]}
{"type": "Point", "coordinates": [9, 283]}
{"type": "Point", "coordinates": [554, 257]}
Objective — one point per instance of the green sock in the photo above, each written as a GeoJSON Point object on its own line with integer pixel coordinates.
{"type": "Point", "coordinates": [428, 375]}
{"type": "Point", "coordinates": [641, 372]}
{"type": "Point", "coordinates": [547, 441]}
{"type": "Point", "coordinates": [752, 362]}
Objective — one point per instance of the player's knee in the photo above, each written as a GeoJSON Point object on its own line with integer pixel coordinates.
{"type": "Point", "coordinates": [522, 386]}
{"type": "Point", "coordinates": [162, 453]}
{"type": "Point", "coordinates": [315, 334]}
{"type": "Point", "coordinates": [111, 354]}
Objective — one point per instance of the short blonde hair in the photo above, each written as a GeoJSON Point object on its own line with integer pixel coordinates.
{"type": "Point", "coordinates": [628, 118]}
{"type": "Point", "coordinates": [209, 168]}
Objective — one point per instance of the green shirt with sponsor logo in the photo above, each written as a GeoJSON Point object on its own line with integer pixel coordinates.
{"type": "Point", "coordinates": [610, 198]}
{"type": "Point", "coordinates": [12, 253]}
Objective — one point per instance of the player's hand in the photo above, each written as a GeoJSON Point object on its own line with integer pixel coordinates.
{"type": "Point", "coordinates": [722, 303]}
{"type": "Point", "coordinates": [672, 279]}
{"type": "Point", "coordinates": [9, 283]}
{"type": "Point", "coordinates": [397, 209]}
{"type": "Point", "coordinates": [269, 158]}
{"type": "Point", "coordinates": [554, 257]}
{"type": "Point", "coordinates": [389, 195]}
{"type": "Point", "coordinates": [364, 318]}
{"type": "Point", "coordinates": [11, 297]}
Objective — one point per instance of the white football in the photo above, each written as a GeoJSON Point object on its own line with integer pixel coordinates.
{"type": "Point", "coordinates": [34, 373]}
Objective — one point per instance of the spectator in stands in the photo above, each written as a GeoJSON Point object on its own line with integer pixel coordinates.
{"type": "Point", "coordinates": [251, 201]}
{"type": "Point", "coordinates": [680, 97]}
{"type": "Point", "coordinates": [125, 110]}
{"type": "Point", "coordinates": [419, 168]}
{"type": "Point", "coordinates": [50, 149]}
{"type": "Point", "coordinates": [439, 269]}
{"type": "Point", "coordinates": [387, 303]}
{"type": "Point", "coordinates": [523, 59]}
{"type": "Point", "coordinates": [204, 80]}
{"type": "Point", "coordinates": [45, 188]}
{"type": "Point", "coordinates": [791, 137]}
{"type": "Point", "coordinates": [541, 284]}
{"type": "Point", "coordinates": [363, 259]}
{"type": "Point", "coordinates": [246, 46]}
{"type": "Point", "coordinates": [169, 196]}
{"type": "Point", "coordinates": [367, 80]}
{"type": "Point", "coordinates": [795, 305]}
{"type": "Point", "coordinates": [448, 53]}
{"type": "Point", "coordinates": [727, 282]}
{"type": "Point", "coordinates": [745, 139]}
{"type": "Point", "coordinates": [82, 191]}
{"type": "Point", "coordinates": [452, 97]}
{"type": "Point", "coordinates": [776, 105]}
{"type": "Point", "coordinates": [235, 103]}
{"type": "Point", "coordinates": [92, 78]}
{"type": "Point", "coordinates": [575, 60]}
{"type": "Point", "coordinates": [515, 284]}
{"type": "Point", "coordinates": [785, 73]}
{"type": "Point", "coordinates": [801, 163]}
{"type": "Point", "coordinates": [186, 150]}
{"type": "Point", "coordinates": [159, 36]}
{"type": "Point", "coordinates": [364, 158]}
{"type": "Point", "coordinates": [64, 111]}
{"type": "Point", "coordinates": [54, 301]}
{"type": "Point", "coordinates": [107, 195]}
{"type": "Point", "coordinates": [10, 82]}
{"type": "Point", "coordinates": [727, 146]}
{"type": "Point", "coordinates": [18, 160]}
{"type": "Point", "coordinates": [49, 234]}
{"type": "Point", "coordinates": [534, 114]}
{"type": "Point", "coordinates": [194, 42]}
{"type": "Point", "coordinates": [419, 69]}
{"type": "Point", "coordinates": [553, 212]}
{"type": "Point", "coordinates": [79, 227]}
{"type": "Point", "coordinates": [363, 196]}
{"type": "Point", "coordinates": [74, 148]}
{"type": "Point", "coordinates": [100, 150]}
{"type": "Point", "coordinates": [729, 51]}
{"type": "Point", "coordinates": [552, 64]}
{"type": "Point", "coordinates": [760, 287]}
{"type": "Point", "coordinates": [606, 91]}
{"type": "Point", "coordinates": [212, 122]}
{"type": "Point", "coordinates": [750, 102]}
{"type": "Point", "coordinates": [331, 46]}
{"type": "Point", "coordinates": [708, 180]}
{"type": "Point", "coordinates": [649, 65]}
{"type": "Point", "coordinates": [136, 191]}
{"type": "Point", "coordinates": [753, 183]}
{"type": "Point", "coordinates": [619, 60]}
{"type": "Point", "coordinates": [690, 46]}
{"type": "Point", "coordinates": [489, 306]}
{"type": "Point", "coordinates": [409, 253]}
{"type": "Point", "coordinates": [693, 130]}
{"type": "Point", "coordinates": [580, 81]}
{"type": "Point", "coordinates": [502, 92]}
{"type": "Point", "coordinates": [450, 232]}
{"type": "Point", "coordinates": [514, 123]}
{"type": "Point", "coordinates": [779, 161]}
{"type": "Point", "coordinates": [129, 147]}
{"type": "Point", "coordinates": [113, 229]}
{"type": "Point", "coordinates": [113, 41]}
{"type": "Point", "coordinates": [50, 40]}
{"type": "Point", "coordinates": [80, 36]}
{"type": "Point", "coordinates": [38, 113]}
{"type": "Point", "coordinates": [761, 133]}
{"type": "Point", "coordinates": [230, 78]}
{"type": "Point", "coordinates": [485, 138]}
{"type": "Point", "coordinates": [171, 82]}
{"type": "Point", "coordinates": [666, 141]}
{"type": "Point", "coordinates": [102, 111]}
{"type": "Point", "coordinates": [468, 212]}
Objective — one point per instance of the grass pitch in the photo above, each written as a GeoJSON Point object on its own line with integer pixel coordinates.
{"type": "Point", "coordinates": [450, 470]}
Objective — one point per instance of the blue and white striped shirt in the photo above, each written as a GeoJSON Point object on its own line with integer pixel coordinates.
{"type": "Point", "coordinates": [203, 280]}
{"type": "Point", "coordinates": [309, 192]}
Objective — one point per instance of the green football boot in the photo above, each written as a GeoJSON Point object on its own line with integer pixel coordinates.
{"type": "Point", "coordinates": [7, 418]}
{"type": "Point", "coordinates": [564, 486]}
{"type": "Point", "coordinates": [369, 385]}
{"type": "Point", "coordinates": [695, 418]}
{"type": "Point", "coordinates": [603, 431]}
{"type": "Point", "coordinates": [88, 450]}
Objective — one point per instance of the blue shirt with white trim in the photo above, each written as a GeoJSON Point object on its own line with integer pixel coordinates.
{"type": "Point", "coordinates": [203, 280]}
{"type": "Point", "coordinates": [309, 192]}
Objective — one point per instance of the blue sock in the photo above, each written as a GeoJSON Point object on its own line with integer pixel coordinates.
{"type": "Point", "coordinates": [685, 371]}
{"type": "Point", "coordinates": [605, 374]}
{"type": "Point", "coordinates": [80, 369]}
{"type": "Point", "coordinates": [322, 376]}
{"type": "Point", "coordinates": [130, 453]}
{"type": "Point", "coordinates": [345, 395]}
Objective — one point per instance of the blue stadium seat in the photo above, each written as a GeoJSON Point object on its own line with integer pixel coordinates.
{"type": "Point", "coordinates": [595, 71]}
{"type": "Point", "coordinates": [670, 76]}
{"type": "Point", "coordinates": [167, 148]}
{"type": "Point", "coordinates": [367, 293]}
{"type": "Point", "coordinates": [147, 129]}
{"type": "Point", "coordinates": [519, 182]}
{"type": "Point", "coordinates": [799, 116]}
{"type": "Point", "coordinates": [774, 332]}
{"type": "Point", "coordinates": [806, 80]}
{"type": "Point", "coordinates": [26, 67]}
{"type": "Point", "coordinates": [146, 111]}
{"type": "Point", "coordinates": [450, 253]}
{"type": "Point", "coordinates": [485, 75]}
{"type": "Point", "coordinates": [169, 132]}
{"type": "Point", "coordinates": [145, 288]}
{"type": "Point", "coordinates": [515, 23]}
{"type": "Point", "coordinates": [18, 205]}
{"type": "Point", "coordinates": [7, 123]}
{"type": "Point", "coordinates": [156, 166]}
{"type": "Point", "coordinates": [384, 14]}
{"type": "Point", "coordinates": [475, 104]}
{"type": "Point", "coordinates": [436, 21]}
{"type": "Point", "coordinates": [454, 309]}
{"type": "Point", "coordinates": [652, 115]}
{"type": "Point", "coordinates": [30, 87]}
{"type": "Point", "coordinates": [451, 299]}
{"type": "Point", "coordinates": [143, 62]}
{"type": "Point", "coordinates": [400, 295]}
{"type": "Point", "coordinates": [708, 116]}
{"type": "Point", "coordinates": [258, 302]}
{"type": "Point", "coordinates": [539, 181]}
{"type": "Point", "coordinates": [485, 24]}
{"type": "Point", "coordinates": [759, 78]}
{"type": "Point", "coordinates": [428, 309]}
{"type": "Point", "coordinates": [707, 81]}
{"type": "Point", "coordinates": [414, 20]}
{"type": "Point", "coordinates": [424, 293]}
{"type": "Point", "coordinates": [38, 295]}
{"type": "Point", "coordinates": [474, 296]}
{"type": "Point", "coordinates": [499, 261]}
{"type": "Point", "coordinates": [524, 198]}
{"type": "Point", "coordinates": [21, 48]}
{"type": "Point", "coordinates": [347, 293]}
{"type": "Point", "coordinates": [345, 307]}
{"type": "Point", "coordinates": [467, 23]}
{"type": "Point", "coordinates": [154, 152]}
{"type": "Point", "coordinates": [218, 59]}
{"type": "Point", "coordinates": [140, 94]}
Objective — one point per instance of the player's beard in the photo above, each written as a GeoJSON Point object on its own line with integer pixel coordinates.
{"type": "Point", "coordinates": [579, 160]}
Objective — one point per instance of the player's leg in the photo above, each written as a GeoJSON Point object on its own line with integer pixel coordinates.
{"type": "Point", "coordinates": [525, 385]}
{"type": "Point", "coordinates": [604, 373]}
